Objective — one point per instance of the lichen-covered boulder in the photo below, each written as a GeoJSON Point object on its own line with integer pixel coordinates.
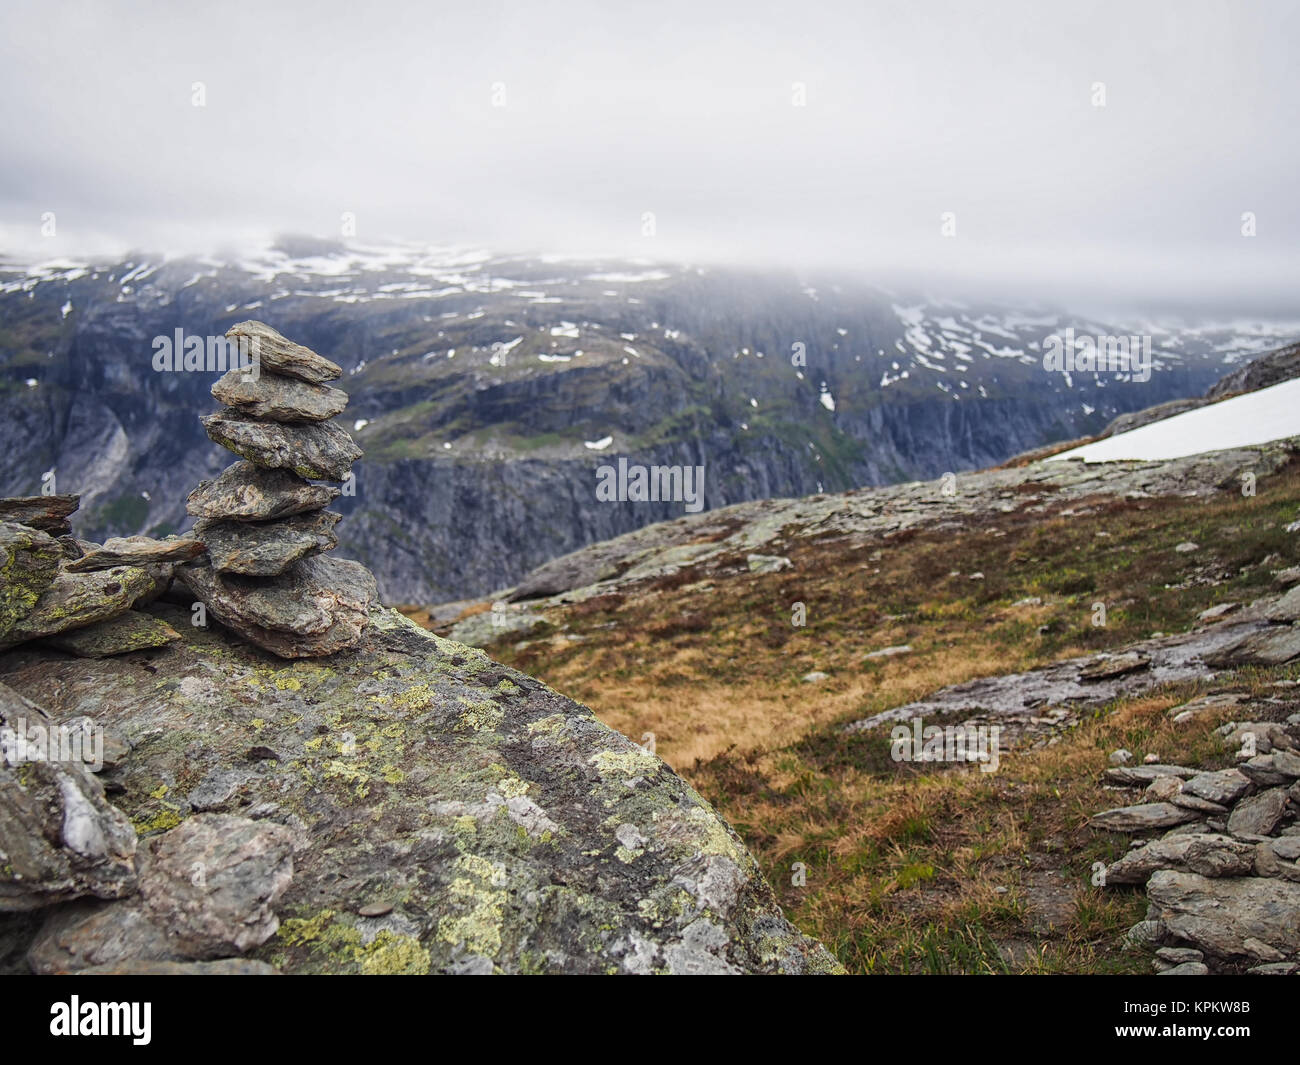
{"type": "Point", "coordinates": [449, 815]}
{"type": "Point", "coordinates": [29, 561]}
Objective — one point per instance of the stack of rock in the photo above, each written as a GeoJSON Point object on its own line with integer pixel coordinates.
{"type": "Point", "coordinates": [263, 521]}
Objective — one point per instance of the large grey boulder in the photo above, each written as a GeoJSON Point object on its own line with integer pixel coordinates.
{"type": "Point", "coordinates": [449, 814]}
{"type": "Point", "coordinates": [1143, 818]}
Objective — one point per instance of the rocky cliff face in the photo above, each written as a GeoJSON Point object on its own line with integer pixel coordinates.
{"type": "Point", "coordinates": [407, 806]}
{"type": "Point", "coordinates": [486, 392]}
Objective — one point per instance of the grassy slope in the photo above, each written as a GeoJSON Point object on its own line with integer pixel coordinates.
{"type": "Point", "coordinates": [923, 868]}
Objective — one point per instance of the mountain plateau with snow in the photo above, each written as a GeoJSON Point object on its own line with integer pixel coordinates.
{"type": "Point", "coordinates": [487, 390]}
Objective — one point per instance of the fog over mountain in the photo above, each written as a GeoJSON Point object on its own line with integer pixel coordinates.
{"type": "Point", "coordinates": [1092, 153]}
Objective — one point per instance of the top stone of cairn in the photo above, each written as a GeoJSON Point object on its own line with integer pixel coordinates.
{"type": "Point", "coordinates": [282, 356]}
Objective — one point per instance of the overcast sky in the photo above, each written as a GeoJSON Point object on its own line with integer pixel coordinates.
{"type": "Point", "coordinates": [687, 110]}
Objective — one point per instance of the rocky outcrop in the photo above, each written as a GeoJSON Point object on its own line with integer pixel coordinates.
{"type": "Point", "coordinates": [403, 806]}
{"type": "Point", "coordinates": [1224, 885]}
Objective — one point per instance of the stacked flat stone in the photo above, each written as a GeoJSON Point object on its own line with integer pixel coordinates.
{"type": "Point", "coordinates": [264, 523]}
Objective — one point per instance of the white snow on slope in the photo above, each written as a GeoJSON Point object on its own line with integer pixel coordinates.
{"type": "Point", "coordinates": [1255, 418]}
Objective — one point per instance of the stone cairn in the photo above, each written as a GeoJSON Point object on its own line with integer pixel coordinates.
{"type": "Point", "coordinates": [263, 521]}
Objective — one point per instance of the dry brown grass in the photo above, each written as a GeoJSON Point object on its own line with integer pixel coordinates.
{"type": "Point", "coordinates": [913, 869]}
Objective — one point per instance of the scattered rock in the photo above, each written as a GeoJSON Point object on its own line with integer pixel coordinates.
{"type": "Point", "coordinates": [1259, 737]}
{"type": "Point", "coordinates": [1277, 858]}
{"type": "Point", "coordinates": [1284, 578]}
{"type": "Point", "coordinates": [1122, 756]}
{"type": "Point", "coordinates": [1218, 611]}
{"type": "Point", "coordinates": [890, 652]}
{"type": "Point", "coordinates": [59, 837]}
{"type": "Point", "coordinates": [768, 563]}
{"type": "Point", "coordinates": [245, 492]}
{"type": "Point", "coordinates": [1139, 776]}
{"type": "Point", "coordinates": [207, 889]}
{"type": "Point", "coordinates": [1270, 647]}
{"type": "Point", "coordinates": [1190, 968]}
{"type": "Point", "coordinates": [815, 677]}
{"type": "Point", "coordinates": [1275, 968]}
{"type": "Point", "coordinates": [1207, 854]}
{"type": "Point", "coordinates": [1163, 789]}
{"type": "Point", "coordinates": [1279, 767]}
{"type": "Point", "coordinates": [1146, 933]}
{"type": "Point", "coordinates": [1205, 704]}
{"type": "Point", "coordinates": [1223, 787]}
{"type": "Point", "coordinates": [1195, 802]}
{"type": "Point", "coordinates": [1179, 955]}
{"type": "Point", "coordinates": [1285, 609]}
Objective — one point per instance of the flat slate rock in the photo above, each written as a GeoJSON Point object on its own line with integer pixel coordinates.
{"type": "Point", "coordinates": [77, 599]}
{"type": "Point", "coordinates": [1115, 666]}
{"type": "Point", "coordinates": [1260, 814]}
{"type": "Point", "coordinates": [47, 513]}
{"type": "Point", "coordinates": [1142, 818]}
{"type": "Point", "coordinates": [246, 492]}
{"type": "Point", "coordinates": [1278, 767]}
{"type": "Point", "coordinates": [273, 352]}
{"type": "Point", "coordinates": [1139, 776]}
{"type": "Point", "coordinates": [137, 551]}
{"type": "Point", "coordinates": [265, 549]}
{"type": "Point", "coordinates": [281, 399]}
{"type": "Point", "coordinates": [318, 450]}
{"type": "Point", "coordinates": [29, 562]}
{"type": "Point", "coordinates": [132, 631]}
{"type": "Point", "coordinates": [1270, 647]}
{"type": "Point", "coordinates": [1208, 854]}
{"type": "Point", "coordinates": [1229, 917]}
{"type": "Point", "coordinates": [1287, 608]}
{"type": "Point", "coordinates": [317, 608]}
